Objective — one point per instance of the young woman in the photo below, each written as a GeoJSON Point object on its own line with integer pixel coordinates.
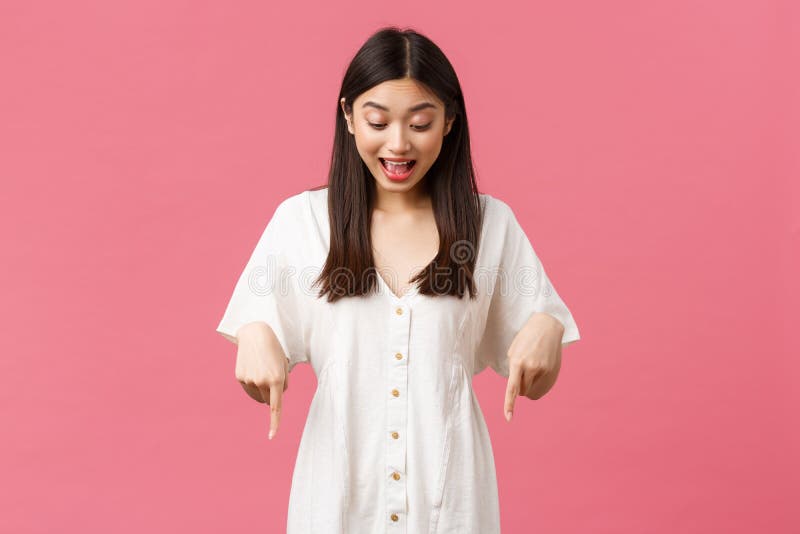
{"type": "Point", "coordinates": [397, 282]}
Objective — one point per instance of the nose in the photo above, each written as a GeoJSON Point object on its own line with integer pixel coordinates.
{"type": "Point", "coordinates": [398, 141]}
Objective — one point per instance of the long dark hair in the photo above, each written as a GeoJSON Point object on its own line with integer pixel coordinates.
{"type": "Point", "coordinates": [349, 270]}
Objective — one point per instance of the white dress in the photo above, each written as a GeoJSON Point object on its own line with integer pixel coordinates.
{"type": "Point", "coordinates": [395, 440]}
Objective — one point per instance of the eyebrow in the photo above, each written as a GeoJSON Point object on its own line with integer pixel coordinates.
{"type": "Point", "coordinates": [418, 107]}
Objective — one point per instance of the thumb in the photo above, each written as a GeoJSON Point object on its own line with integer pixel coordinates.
{"type": "Point", "coordinates": [512, 390]}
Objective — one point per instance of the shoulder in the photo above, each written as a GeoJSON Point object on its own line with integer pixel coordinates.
{"type": "Point", "coordinates": [497, 216]}
{"type": "Point", "coordinates": [301, 206]}
{"type": "Point", "coordinates": [497, 213]}
{"type": "Point", "coordinates": [282, 226]}
{"type": "Point", "coordinates": [302, 222]}
{"type": "Point", "coordinates": [497, 205]}
{"type": "Point", "coordinates": [293, 205]}
{"type": "Point", "coordinates": [318, 200]}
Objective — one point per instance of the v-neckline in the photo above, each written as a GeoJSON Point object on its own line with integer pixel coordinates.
{"type": "Point", "coordinates": [410, 292]}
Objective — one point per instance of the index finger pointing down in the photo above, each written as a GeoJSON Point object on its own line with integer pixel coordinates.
{"type": "Point", "coordinates": [512, 390]}
{"type": "Point", "coordinates": [275, 400]}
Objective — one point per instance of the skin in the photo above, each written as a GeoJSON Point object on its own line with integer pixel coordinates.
{"type": "Point", "coordinates": [404, 233]}
{"type": "Point", "coordinates": [262, 368]}
{"type": "Point", "coordinates": [405, 239]}
{"type": "Point", "coordinates": [534, 360]}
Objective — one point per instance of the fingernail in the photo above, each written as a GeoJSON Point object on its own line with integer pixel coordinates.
{"type": "Point", "coordinates": [271, 434]}
{"type": "Point", "coordinates": [508, 416]}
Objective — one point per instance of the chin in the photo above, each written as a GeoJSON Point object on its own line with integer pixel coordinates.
{"type": "Point", "coordinates": [389, 185]}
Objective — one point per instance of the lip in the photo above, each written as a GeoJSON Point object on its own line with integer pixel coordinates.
{"type": "Point", "coordinates": [398, 159]}
{"type": "Point", "coordinates": [397, 177]}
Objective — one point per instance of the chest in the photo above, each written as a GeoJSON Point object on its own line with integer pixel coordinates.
{"type": "Point", "coordinates": [402, 246]}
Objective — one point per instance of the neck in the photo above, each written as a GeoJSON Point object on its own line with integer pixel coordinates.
{"type": "Point", "coordinates": [401, 201]}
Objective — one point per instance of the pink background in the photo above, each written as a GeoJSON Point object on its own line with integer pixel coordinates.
{"type": "Point", "coordinates": [649, 148]}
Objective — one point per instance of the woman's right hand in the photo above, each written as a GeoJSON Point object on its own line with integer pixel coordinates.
{"type": "Point", "coordinates": [262, 368]}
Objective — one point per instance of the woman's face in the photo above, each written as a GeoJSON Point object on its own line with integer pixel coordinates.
{"type": "Point", "coordinates": [398, 120]}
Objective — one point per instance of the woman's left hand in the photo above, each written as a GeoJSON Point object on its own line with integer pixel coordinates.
{"type": "Point", "coordinates": [534, 359]}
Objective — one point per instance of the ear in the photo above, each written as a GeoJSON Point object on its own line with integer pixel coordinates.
{"type": "Point", "coordinates": [448, 126]}
{"type": "Point", "coordinates": [346, 117]}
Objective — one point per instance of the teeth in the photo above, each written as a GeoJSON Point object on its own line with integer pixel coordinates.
{"type": "Point", "coordinates": [397, 163]}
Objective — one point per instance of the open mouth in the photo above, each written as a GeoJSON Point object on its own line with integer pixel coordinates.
{"type": "Point", "coordinates": [397, 168]}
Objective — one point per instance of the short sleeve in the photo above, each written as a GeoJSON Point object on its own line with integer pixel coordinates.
{"type": "Point", "coordinates": [521, 288]}
{"type": "Point", "coordinates": [266, 289]}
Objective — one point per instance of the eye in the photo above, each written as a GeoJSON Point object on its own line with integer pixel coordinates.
{"type": "Point", "coordinates": [421, 128]}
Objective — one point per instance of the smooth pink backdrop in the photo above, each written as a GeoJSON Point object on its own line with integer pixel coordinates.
{"type": "Point", "coordinates": [649, 149]}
